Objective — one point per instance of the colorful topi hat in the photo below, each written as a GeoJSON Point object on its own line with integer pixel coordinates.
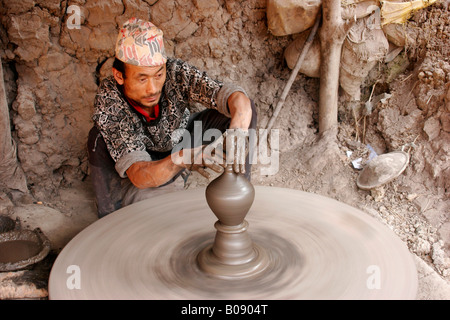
{"type": "Point", "coordinates": [140, 43]}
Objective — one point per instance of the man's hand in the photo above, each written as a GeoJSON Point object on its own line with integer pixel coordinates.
{"type": "Point", "coordinates": [235, 142]}
{"type": "Point", "coordinates": [236, 137]}
{"type": "Point", "coordinates": [197, 159]}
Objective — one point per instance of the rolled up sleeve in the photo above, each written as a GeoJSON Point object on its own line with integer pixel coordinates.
{"type": "Point", "coordinates": [223, 95]}
{"type": "Point", "coordinates": [128, 159]}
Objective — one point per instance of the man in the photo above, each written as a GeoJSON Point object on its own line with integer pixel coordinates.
{"type": "Point", "coordinates": [141, 116]}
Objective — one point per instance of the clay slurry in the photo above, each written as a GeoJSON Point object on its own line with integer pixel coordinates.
{"type": "Point", "coordinates": [17, 250]}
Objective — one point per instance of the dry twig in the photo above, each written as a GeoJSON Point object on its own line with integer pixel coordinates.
{"type": "Point", "coordinates": [293, 76]}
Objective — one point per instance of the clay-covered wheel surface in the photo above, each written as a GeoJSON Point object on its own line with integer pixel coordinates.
{"type": "Point", "coordinates": [319, 248]}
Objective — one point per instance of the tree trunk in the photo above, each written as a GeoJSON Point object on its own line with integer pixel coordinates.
{"type": "Point", "coordinates": [332, 36]}
{"type": "Point", "coordinates": [11, 174]}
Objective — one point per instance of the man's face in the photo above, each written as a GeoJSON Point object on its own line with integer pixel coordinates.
{"type": "Point", "coordinates": [142, 84]}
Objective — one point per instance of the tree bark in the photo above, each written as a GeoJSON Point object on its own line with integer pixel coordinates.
{"type": "Point", "coordinates": [11, 174]}
{"type": "Point", "coordinates": [332, 35]}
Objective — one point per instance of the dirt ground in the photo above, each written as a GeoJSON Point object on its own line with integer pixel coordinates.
{"type": "Point", "coordinates": [415, 119]}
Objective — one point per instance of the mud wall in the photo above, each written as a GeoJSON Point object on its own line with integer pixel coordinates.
{"type": "Point", "coordinates": [417, 116]}
{"type": "Point", "coordinates": [53, 66]}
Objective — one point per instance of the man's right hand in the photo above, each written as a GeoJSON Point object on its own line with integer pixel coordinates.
{"type": "Point", "coordinates": [196, 159]}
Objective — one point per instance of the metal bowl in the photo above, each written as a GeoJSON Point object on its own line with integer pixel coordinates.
{"type": "Point", "coordinates": [383, 169]}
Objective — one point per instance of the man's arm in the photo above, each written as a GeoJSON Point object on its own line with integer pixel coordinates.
{"type": "Point", "coordinates": [239, 106]}
{"type": "Point", "coordinates": [151, 174]}
{"type": "Point", "coordinates": [240, 109]}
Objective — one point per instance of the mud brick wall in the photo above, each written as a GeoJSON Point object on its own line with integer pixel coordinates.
{"type": "Point", "coordinates": [53, 64]}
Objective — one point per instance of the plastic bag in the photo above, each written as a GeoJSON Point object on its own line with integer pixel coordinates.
{"type": "Point", "coordinates": [364, 46]}
{"type": "Point", "coordinates": [399, 12]}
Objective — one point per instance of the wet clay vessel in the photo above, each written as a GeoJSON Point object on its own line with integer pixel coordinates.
{"type": "Point", "coordinates": [20, 249]}
{"type": "Point", "coordinates": [233, 254]}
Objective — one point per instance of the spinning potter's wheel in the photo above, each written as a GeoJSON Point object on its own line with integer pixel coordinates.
{"type": "Point", "coordinates": [305, 246]}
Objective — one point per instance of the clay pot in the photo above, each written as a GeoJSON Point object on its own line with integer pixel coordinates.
{"type": "Point", "coordinates": [233, 254]}
{"type": "Point", "coordinates": [230, 197]}
{"type": "Point", "coordinates": [20, 249]}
